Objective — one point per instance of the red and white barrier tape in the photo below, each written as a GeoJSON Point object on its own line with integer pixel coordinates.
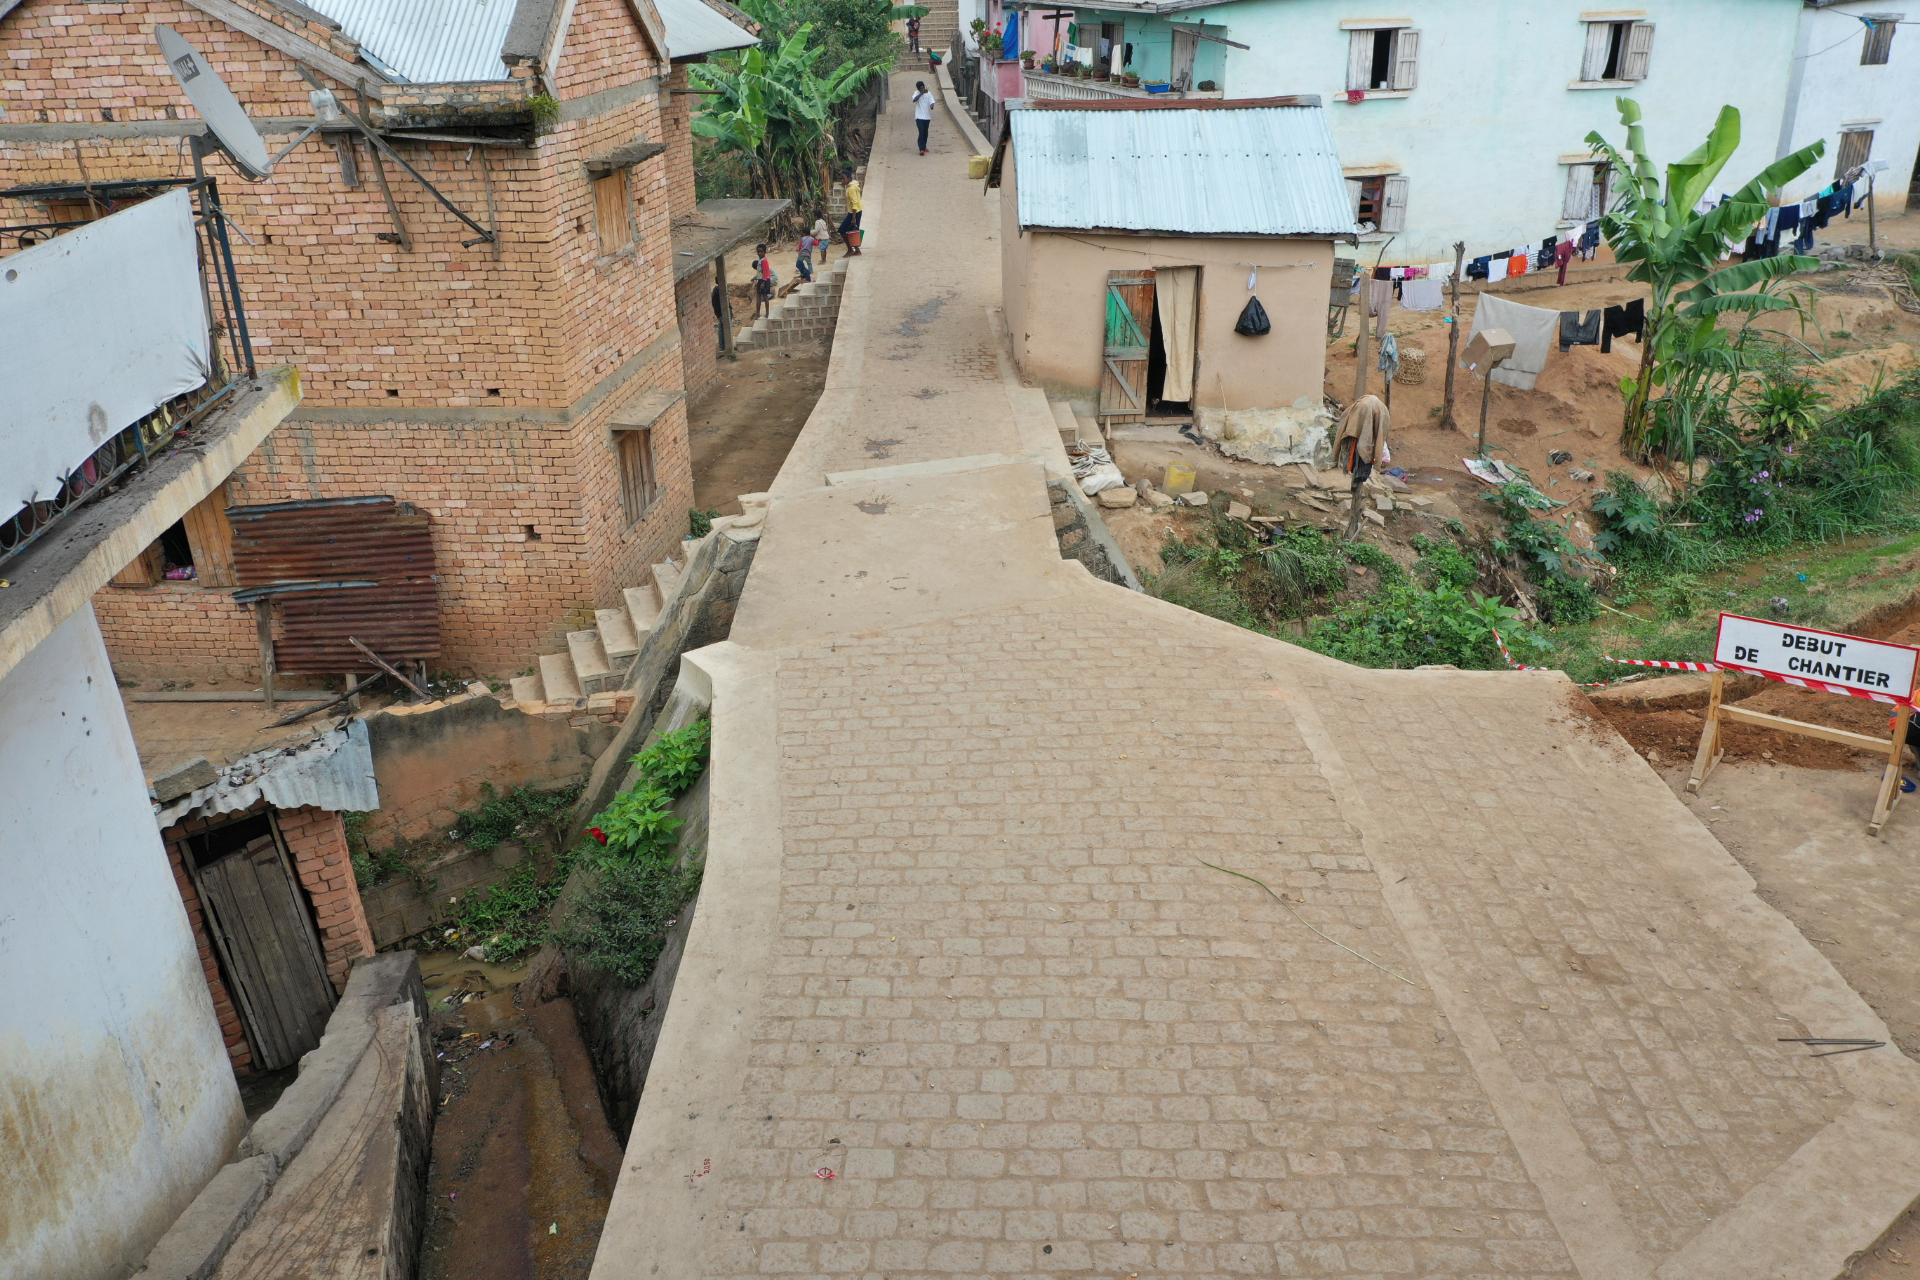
{"type": "Point", "coordinates": [1816, 685]}
{"type": "Point", "coordinates": [1515, 666]}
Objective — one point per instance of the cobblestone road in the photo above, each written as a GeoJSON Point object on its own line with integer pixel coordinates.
{"type": "Point", "coordinates": [1508, 1009]}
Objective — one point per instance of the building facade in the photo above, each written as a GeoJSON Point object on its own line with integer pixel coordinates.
{"type": "Point", "coordinates": [520, 383]}
{"type": "Point", "coordinates": [1449, 135]}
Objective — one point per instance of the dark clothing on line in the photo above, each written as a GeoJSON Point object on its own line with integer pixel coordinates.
{"type": "Point", "coordinates": [1577, 330]}
{"type": "Point", "coordinates": [1629, 321]}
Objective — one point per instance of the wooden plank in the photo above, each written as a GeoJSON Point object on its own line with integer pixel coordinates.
{"type": "Point", "coordinates": [210, 538]}
{"type": "Point", "coordinates": [1123, 381]}
{"type": "Point", "coordinates": [1890, 781]}
{"type": "Point", "coordinates": [1708, 755]}
{"type": "Point", "coordinates": [1760, 720]}
{"type": "Point", "coordinates": [278, 924]}
{"type": "Point", "coordinates": [299, 48]}
{"type": "Point", "coordinates": [263, 632]}
{"type": "Point", "coordinates": [232, 695]}
{"type": "Point", "coordinates": [228, 892]}
{"type": "Point", "coordinates": [310, 984]}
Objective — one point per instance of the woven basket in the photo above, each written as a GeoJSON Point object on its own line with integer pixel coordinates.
{"type": "Point", "coordinates": [1413, 365]}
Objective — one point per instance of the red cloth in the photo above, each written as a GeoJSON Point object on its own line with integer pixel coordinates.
{"type": "Point", "coordinates": [1563, 254]}
{"type": "Point", "coordinates": [1517, 265]}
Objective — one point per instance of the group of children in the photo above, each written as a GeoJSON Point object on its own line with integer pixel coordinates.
{"type": "Point", "coordinates": [816, 238]}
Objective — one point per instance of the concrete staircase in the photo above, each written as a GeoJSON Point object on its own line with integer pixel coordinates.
{"type": "Point", "coordinates": [805, 315]}
{"type": "Point", "coordinates": [595, 661]}
{"type": "Point", "coordinates": [938, 27]}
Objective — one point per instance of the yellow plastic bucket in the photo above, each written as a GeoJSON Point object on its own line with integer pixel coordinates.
{"type": "Point", "coordinates": [1179, 478]}
{"type": "Point", "coordinates": [977, 166]}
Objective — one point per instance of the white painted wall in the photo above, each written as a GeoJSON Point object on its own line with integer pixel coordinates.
{"type": "Point", "coordinates": [1834, 90]}
{"type": "Point", "coordinates": [117, 1102]}
{"type": "Point", "coordinates": [1481, 134]}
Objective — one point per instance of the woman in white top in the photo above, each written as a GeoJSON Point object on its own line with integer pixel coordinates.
{"type": "Point", "coordinates": [922, 111]}
{"type": "Point", "coordinates": [820, 233]}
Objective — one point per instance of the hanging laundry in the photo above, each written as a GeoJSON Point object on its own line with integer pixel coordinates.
{"type": "Point", "coordinates": [1771, 228]}
{"type": "Point", "coordinates": [1532, 330]}
{"type": "Point", "coordinates": [1422, 295]}
{"type": "Point", "coordinates": [1416, 273]}
{"type": "Point", "coordinates": [1396, 273]}
{"type": "Point", "coordinates": [1545, 257]}
{"type": "Point", "coordinates": [1380, 297]}
{"type": "Point", "coordinates": [1517, 265]}
{"type": "Point", "coordinates": [1622, 322]}
{"type": "Point", "coordinates": [1562, 255]}
{"type": "Point", "coordinates": [1578, 330]}
{"type": "Point", "coordinates": [1383, 273]}
{"type": "Point", "coordinates": [1590, 240]}
{"type": "Point", "coordinates": [1440, 271]}
{"type": "Point", "coordinates": [1478, 269]}
{"type": "Point", "coordinates": [1497, 269]}
{"type": "Point", "coordinates": [1389, 361]}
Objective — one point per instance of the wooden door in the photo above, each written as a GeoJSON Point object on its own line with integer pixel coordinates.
{"type": "Point", "coordinates": [1184, 45]}
{"type": "Point", "coordinates": [259, 920]}
{"type": "Point", "coordinates": [1123, 375]}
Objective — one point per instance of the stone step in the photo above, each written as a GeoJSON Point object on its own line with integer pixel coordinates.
{"type": "Point", "coordinates": [590, 662]}
{"type": "Point", "coordinates": [528, 689]}
{"type": "Point", "coordinates": [557, 678]}
{"type": "Point", "coordinates": [666, 581]}
{"type": "Point", "coordinates": [618, 636]}
{"type": "Point", "coordinates": [643, 607]}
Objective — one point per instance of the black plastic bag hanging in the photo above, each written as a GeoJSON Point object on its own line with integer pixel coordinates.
{"type": "Point", "coordinates": [1253, 322]}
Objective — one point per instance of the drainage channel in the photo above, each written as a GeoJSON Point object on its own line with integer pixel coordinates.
{"type": "Point", "coordinates": [523, 1159]}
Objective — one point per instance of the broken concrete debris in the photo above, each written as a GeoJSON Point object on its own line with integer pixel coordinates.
{"type": "Point", "coordinates": [191, 776]}
{"type": "Point", "coordinates": [1118, 496]}
{"type": "Point", "coordinates": [1581, 474]}
{"type": "Point", "coordinates": [1194, 499]}
{"type": "Point", "coordinates": [1238, 511]}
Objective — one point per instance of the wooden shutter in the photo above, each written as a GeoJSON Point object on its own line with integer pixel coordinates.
{"type": "Point", "coordinates": [610, 218]}
{"type": "Point", "coordinates": [144, 569]}
{"type": "Point", "coordinates": [1879, 42]}
{"type": "Point", "coordinates": [638, 485]}
{"type": "Point", "coordinates": [1360, 60]}
{"type": "Point", "coordinates": [1406, 57]}
{"type": "Point", "coordinates": [1356, 191]}
{"type": "Point", "coordinates": [1129, 319]}
{"type": "Point", "coordinates": [1394, 216]}
{"type": "Point", "coordinates": [1579, 192]}
{"type": "Point", "coordinates": [1599, 41]}
{"type": "Point", "coordinates": [1855, 146]}
{"type": "Point", "coordinates": [1633, 63]}
{"type": "Point", "coordinates": [210, 538]}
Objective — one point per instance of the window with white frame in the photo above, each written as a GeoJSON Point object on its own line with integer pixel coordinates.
{"type": "Point", "coordinates": [1586, 192]}
{"type": "Point", "coordinates": [1382, 58]}
{"type": "Point", "coordinates": [1878, 45]}
{"type": "Point", "coordinates": [1617, 51]}
{"type": "Point", "coordinates": [1379, 201]}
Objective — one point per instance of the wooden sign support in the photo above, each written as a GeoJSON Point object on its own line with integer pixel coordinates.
{"type": "Point", "coordinates": [1710, 749]}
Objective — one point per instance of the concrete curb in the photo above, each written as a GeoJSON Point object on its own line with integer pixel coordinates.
{"type": "Point", "coordinates": [962, 118]}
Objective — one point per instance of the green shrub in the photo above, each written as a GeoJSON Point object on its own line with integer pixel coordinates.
{"type": "Point", "coordinates": [1443, 564]}
{"type": "Point", "coordinates": [676, 759]}
{"type": "Point", "coordinates": [521, 812]}
{"type": "Point", "coordinates": [620, 924]}
{"type": "Point", "coordinates": [506, 919]}
{"type": "Point", "coordinates": [1407, 625]}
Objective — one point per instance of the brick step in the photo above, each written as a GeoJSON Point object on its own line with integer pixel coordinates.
{"type": "Point", "coordinates": [596, 659]}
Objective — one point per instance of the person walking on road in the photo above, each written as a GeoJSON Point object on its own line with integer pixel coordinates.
{"type": "Point", "coordinates": [922, 112]}
{"type": "Point", "coordinates": [803, 261]}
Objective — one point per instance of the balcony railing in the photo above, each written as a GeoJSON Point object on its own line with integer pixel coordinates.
{"type": "Point", "coordinates": [229, 348]}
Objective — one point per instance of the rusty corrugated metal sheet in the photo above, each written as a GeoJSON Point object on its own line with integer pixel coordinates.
{"type": "Point", "coordinates": [333, 539]}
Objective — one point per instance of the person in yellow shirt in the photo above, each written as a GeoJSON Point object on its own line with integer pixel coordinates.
{"type": "Point", "coordinates": [850, 225]}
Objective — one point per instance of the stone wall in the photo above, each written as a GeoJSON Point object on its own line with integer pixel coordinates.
{"type": "Point", "coordinates": [1084, 536]}
{"type": "Point", "coordinates": [177, 630]}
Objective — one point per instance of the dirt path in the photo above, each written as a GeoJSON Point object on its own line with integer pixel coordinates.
{"type": "Point", "coordinates": [523, 1159]}
{"type": "Point", "coordinates": [744, 425]}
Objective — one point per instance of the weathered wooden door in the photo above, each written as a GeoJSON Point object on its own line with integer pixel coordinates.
{"type": "Point", "coordinates": [1185, 44]}
{"type": "Point", "coordinates": [259, 920]}
{"type": "Point", "coordinates": [1123, 376]}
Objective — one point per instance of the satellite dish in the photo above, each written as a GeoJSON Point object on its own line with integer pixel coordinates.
{"type": "Point", "coordinates": [226, 118]}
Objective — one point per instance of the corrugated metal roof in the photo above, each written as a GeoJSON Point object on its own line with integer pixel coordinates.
{"type": "Point", "coordinates": [1230, 171]}
{"type": "Point", "coordinates": [333, 770]}
{"type": "Point", "coordinates": [694, 27]}
{"type": "Point", "coordinates": [428, 41]}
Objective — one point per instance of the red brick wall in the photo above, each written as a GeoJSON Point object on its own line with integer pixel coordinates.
{"type": "Point", "coordinates": [317, 841]}
{"type": "Point", "coordinates": [678, 123]}
{"type": "Point", "coordinates": [175, 629]}
{"type": "Point", "coordinates": [377, 331]}
{"type": "Point", "coordinates": [699, 343]}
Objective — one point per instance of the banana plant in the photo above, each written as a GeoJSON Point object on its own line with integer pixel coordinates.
{"type": "Point", "coordinates": [1676, 250]}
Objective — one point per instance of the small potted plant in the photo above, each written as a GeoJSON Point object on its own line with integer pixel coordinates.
{"type": "Point", "coordinates": [1027, 57]}
{"type": "Point", "coordinates": [1102, 71]}
{"type": "Point", "coordinates": [1129, 79]}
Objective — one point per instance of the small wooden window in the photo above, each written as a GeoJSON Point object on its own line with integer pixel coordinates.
{"type": "Point", "coordinates": [1878, 46]}
{"type": "Point", "coordinates": [210, 540]}
{"type": "Point", "coordinates": [1586, 192]}
{"type": "Point", "coordinates": [611, 218]}
{"type": "Point", "coordinates": [1856, 145]}
{"type": "Point", "coordinates": [1382, 58]}
{"type": "Point", "coordinates": [1617, 51]}
{"type": "Point", "coordinates": [638, 485]}
{"type": "Point", "coordinates": [1369, 196]}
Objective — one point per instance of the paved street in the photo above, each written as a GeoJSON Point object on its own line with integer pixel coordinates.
{"type": "Point", "coordinates": [963, 998]}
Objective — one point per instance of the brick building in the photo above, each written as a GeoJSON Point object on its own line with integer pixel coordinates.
{"type": "Point", "coordinates": [526, 394]}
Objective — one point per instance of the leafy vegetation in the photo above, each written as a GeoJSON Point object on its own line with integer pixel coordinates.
{"type": "Point", "coordinates": [1431, 617]}
{"type": "Point", "coordinates": [521, 813]}
{"type": "Point", "coordinates": [507, 918]}
{"type": "Point", "coordinates": [1676, 252]}
{"type": "Point", "coordinates": [620, 925]}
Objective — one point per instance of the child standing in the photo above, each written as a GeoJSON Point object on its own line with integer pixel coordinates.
{"type": "Point", "coordinates": [762, 283]}
{"type": "Point", "coordinates": [821, 234]}
{"type": "Point", "coordinates": [803, 264]}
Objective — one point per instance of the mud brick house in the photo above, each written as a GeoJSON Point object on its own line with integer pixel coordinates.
{"type": "Point", "coordinates": [512, 371]}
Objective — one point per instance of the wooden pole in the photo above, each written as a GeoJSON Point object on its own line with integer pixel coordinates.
{"type": "Point", "coordinates": [1873, 241]}
{"type": "Point", "coordinates": [1709, 753]}
{"type": "Point", "coordinates": [1453, 333]}
{"type": "Point", "coordinates": [1890, 783]}
{"type": "Point", "coordinates": [404, 240]}
{"type": "Point", "coordinates": [263, 627]}
{"type": "Point", "coordinates": [387, 667]}
{"type": "Point", "coordinates": [1486, 393]}
{"type": "Point", "coordinates": [1360, 349]}
{"type": "Point", "coordinates": [726, 305]}
{"type": "Point", "coordinates": [493, 221]}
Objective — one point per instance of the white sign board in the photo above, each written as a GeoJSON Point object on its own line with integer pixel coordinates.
{"type": "Point", "coordinates": [1820, 657]}
{"type": "Point", "coordinates": [98, 328]}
